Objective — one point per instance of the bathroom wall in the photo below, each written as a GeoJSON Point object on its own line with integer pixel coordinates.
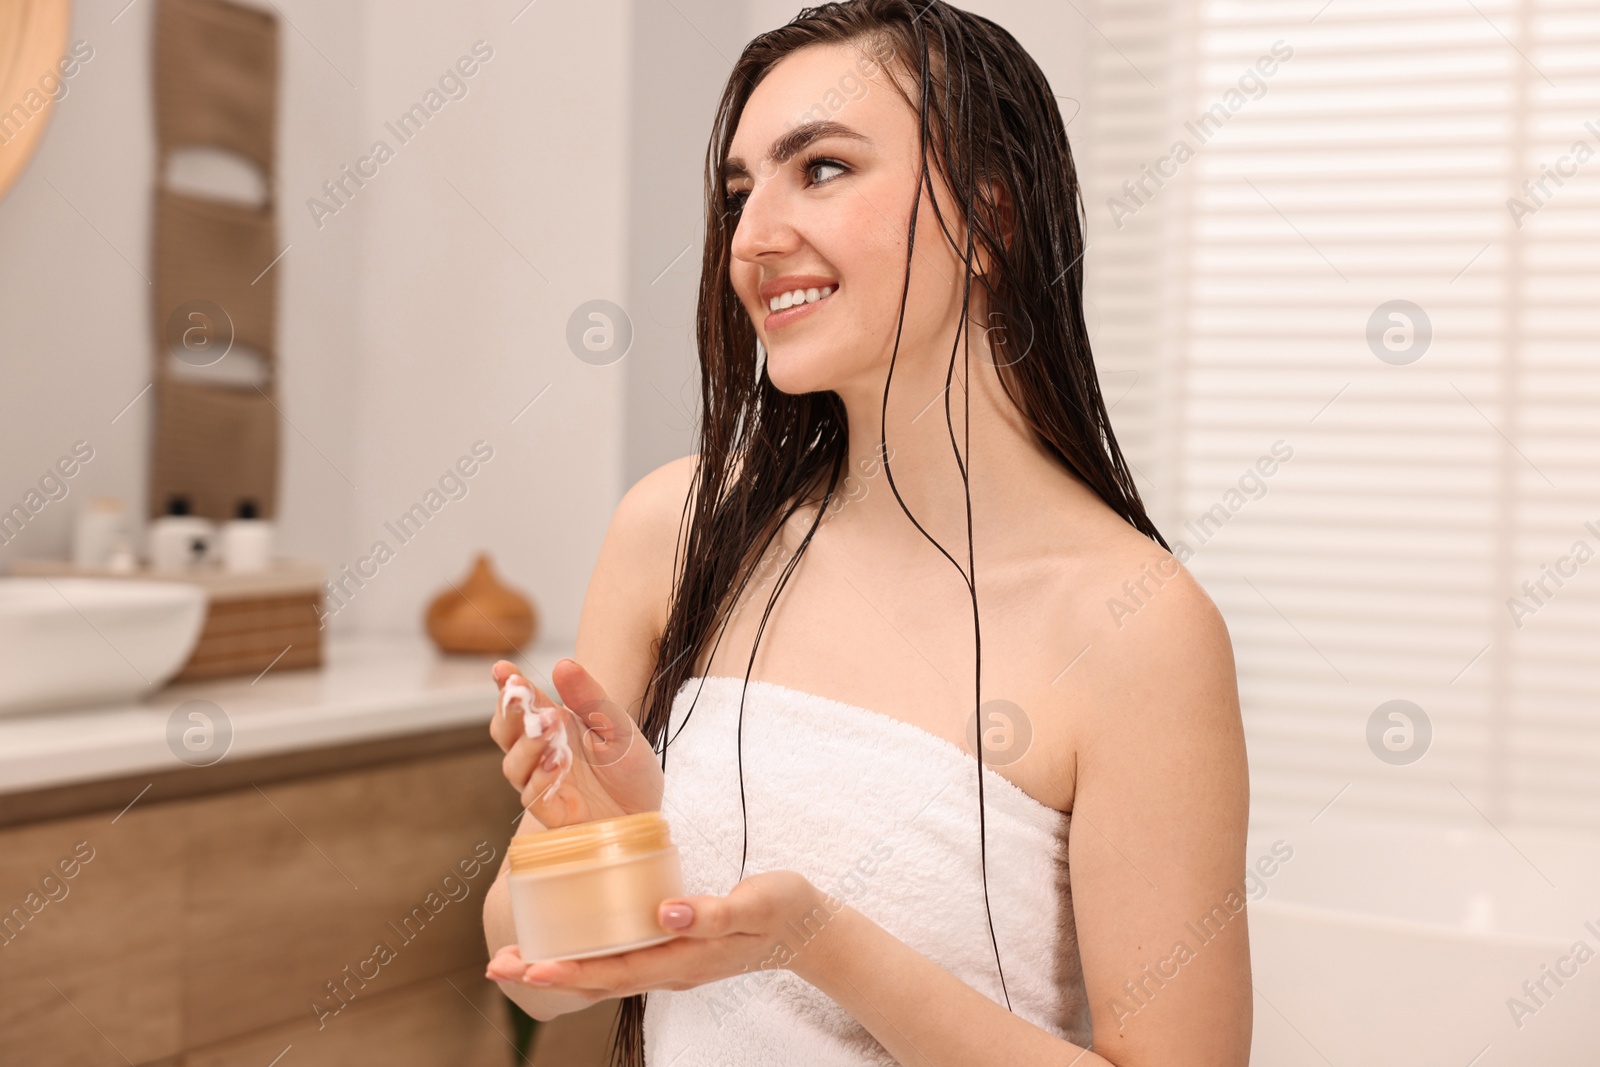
{"type": "Point", "coordinates": [419, 316]}
{"type": "Point", "coordinates": [75, 297]}
{"type": "Point", "coordinates": [682, 53]}
{"type": "Point", "coordinates": [481, 238]}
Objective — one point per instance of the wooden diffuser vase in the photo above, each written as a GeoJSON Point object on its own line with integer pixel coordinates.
{"type": "Point", "coordinates": [481, 615]}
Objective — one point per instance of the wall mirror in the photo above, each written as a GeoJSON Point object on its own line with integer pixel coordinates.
{"type": "Point", "coordinates": [33, 40]}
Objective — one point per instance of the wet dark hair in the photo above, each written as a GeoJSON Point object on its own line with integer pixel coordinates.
{"type": "Point", "coordinates": [991, 130]}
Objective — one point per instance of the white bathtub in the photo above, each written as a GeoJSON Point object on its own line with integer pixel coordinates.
{"type": "Point", "coordinates": [1396, 944]}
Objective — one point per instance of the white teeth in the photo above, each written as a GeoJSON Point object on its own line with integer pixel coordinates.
{"type": "Point", "coordinates": [798, 296]}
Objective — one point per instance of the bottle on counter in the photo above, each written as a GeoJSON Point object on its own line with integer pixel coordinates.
{"type": "Point", "coordinates": [100, 523]}
{"type": "Point", "coordinates": [123, 560]}
{"type": "Point", "coordinates": [246, 541]}
{"type": "Point", "coordinates": [179, 541]}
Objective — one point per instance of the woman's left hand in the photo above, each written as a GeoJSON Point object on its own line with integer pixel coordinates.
{"type": "Point", "coordinates": [747, 930]}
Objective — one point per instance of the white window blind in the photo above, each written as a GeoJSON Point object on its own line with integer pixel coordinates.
{"type": "Point", "coordinates": [1444, 153]}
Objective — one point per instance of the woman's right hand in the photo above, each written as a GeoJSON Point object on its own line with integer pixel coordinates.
{"type": "Point", "coordinates": [612, 771]}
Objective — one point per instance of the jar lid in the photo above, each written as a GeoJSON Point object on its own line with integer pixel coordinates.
{"type": "Point", "coordinates": [586, 842]}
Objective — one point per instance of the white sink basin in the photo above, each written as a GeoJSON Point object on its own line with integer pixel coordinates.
{"type": "Point", "coordinates": [78, 642]}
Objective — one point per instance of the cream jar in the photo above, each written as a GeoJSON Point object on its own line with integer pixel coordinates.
{"type": "Point", "coordinates": [593, 888]}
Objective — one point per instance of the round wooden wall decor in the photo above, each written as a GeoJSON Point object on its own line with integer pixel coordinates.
{"type": "Point", "coordinates": [33, 43]}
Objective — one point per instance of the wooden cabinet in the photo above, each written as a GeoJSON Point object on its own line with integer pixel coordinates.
{"type": "Point", "coordinates": [94, 974]}
{"type": "Point", "coordinates": [446, 1020]}
{"type": "Point", "coordinates": [332, 904]}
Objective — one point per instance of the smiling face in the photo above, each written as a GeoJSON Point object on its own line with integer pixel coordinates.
{"type": "Point", "coordinates": [822, 168]}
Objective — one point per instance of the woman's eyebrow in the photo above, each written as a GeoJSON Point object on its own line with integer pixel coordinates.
{"type": "Point", "coordinates": [795, 141]}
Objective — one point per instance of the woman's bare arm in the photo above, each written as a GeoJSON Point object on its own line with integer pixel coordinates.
{"type": "Point", "coordinates": [1157, 849]}
{"type": "Point", "coordinates": [498, 930]}
{"type": "Point", "coordinates": [624, 613]}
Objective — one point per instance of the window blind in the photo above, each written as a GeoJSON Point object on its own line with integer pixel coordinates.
{"type": "Point", "coordinates": [1343, 271]}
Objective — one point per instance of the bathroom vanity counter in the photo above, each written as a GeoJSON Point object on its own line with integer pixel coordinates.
{"type": "Point", "coordinates": [375, 698]}
{"type": "Point", "coordinates": [317, 887]}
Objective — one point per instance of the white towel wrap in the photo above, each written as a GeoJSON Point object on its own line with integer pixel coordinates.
{"type": "Point", "coordinates": [883, 815]}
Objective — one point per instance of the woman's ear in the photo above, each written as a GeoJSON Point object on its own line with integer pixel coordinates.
{"type": "Point", "coordinates": [999, 212]}
{"type": "Point", "coordinates": [1006, 210]}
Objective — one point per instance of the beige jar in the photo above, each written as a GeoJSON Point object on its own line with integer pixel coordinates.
{"type": "Point", "coordinates": [593, 888]}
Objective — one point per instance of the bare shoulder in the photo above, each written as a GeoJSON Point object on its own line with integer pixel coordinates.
{"type": "Point", "coordinates": [646, 527]}
{"type": "Point", "coordinates": [1145, 599]}
{"type": "Point", "coordinates": [625, 607]}
{"type": "Point", "coordinates": [1158, 654]}
{"type": "Point", "coordinates": [654, 505]}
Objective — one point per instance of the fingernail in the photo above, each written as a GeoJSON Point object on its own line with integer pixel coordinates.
{"type": "Point", "coordinates": [536, 981]}
{"type": "Point", "coordinates": [676, 916]}
{"type": "Point", "coordinates": [550, 760]}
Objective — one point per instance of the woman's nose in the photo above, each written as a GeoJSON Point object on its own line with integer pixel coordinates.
{"type": "Point", "coordinates": [763, 227]}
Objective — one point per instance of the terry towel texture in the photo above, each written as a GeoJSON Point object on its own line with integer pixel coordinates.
{"type": "Point", "coordinates": [884, 816]}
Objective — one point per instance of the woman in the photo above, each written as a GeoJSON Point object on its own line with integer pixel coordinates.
{"type": "Point", "coordinates": [914, 480]}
